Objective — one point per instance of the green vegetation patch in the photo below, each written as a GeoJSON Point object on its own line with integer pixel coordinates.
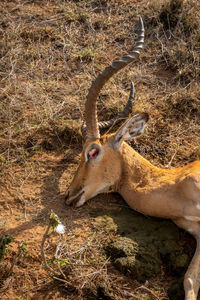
{"type": "Point", "coordinates": [143, 244]}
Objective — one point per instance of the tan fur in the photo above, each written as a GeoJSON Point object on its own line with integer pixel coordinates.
{"type": "Point", "coordinates": [173, 194]}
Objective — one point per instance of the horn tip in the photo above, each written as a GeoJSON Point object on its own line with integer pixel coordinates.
{"type": "Point", "coordinates": [141, 24]}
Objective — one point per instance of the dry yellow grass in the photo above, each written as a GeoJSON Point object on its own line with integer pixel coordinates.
{"type": "Point", "coordinates": [50, 51]}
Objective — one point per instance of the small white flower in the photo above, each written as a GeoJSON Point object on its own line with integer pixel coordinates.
{"type": "Point", "coordinates": [60, 229]}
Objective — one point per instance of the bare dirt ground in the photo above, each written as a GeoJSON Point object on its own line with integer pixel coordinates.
{"type": "Point", "coordinates": [49, 53]}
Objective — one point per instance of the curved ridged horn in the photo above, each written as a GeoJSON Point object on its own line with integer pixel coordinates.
{"type": "Point", "coordinates": [91, 121]}
{"type": "Point", "coordinates": [122, 115]}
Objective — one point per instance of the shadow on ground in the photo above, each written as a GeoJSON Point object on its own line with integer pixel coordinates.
{"type": "Point", "coordinates": [145, 244]}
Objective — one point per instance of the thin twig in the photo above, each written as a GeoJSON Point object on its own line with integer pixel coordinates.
{"type": "Point", "coordinates": [6, 284]}
{"type": "Point", "coordinates": [60, 279]}
{"type": "Point", "coordinates": [172, 158]}
{"type": "Point", "coordinates": [45, 236]}
{"type": "Point", "coordinates": [17, 256]}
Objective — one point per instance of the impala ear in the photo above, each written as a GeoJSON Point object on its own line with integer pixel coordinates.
{"type": "Point", "coordinates": [132, 128]}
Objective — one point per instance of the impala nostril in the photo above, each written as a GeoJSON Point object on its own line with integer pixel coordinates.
{"type": "Point", "coordinates": [71, 197]}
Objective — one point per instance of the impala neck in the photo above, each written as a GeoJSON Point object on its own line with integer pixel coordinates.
{"type": "Point", "coordinates": [141, 184]}
{"type": "Point", "coordinates": [137, 170]}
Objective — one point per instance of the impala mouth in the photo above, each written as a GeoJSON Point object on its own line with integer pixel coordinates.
{"type": "Point", "coordinates": [80, 200]}
{"type": "Point", "coordinates": [77, 200]}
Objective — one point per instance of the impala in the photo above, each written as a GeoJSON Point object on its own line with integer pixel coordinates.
{"type": "Point", "coordinates": [108, 163]}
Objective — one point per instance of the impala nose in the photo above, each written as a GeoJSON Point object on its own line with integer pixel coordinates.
{"type": "Point", "coordinates": [72, 198]}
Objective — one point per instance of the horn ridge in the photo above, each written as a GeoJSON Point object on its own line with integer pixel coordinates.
{"type": "Point", "coordinates": [91, 120]}
{"type": "Point", "coordinates": [122, 115]}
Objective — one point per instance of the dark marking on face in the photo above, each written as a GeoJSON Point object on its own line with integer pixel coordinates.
{"type": "Point", "coordinates": [119, 138]}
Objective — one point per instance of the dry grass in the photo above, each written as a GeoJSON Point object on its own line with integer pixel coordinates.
{"type": "Point", "coordinates": [77, 261]}
{"type": "Point", "coordinates": [49, 53]}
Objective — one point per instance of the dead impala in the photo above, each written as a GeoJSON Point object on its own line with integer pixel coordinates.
{"type": "Point", "coordinates": [108, 163]}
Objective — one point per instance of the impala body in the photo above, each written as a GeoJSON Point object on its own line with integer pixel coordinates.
{"type": "Point", "coordinates": [108, 164]}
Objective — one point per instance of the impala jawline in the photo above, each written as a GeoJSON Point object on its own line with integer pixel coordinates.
{"type": "Point", "coordinates": [108, 163]}
{"type": "Point", "coordinates": [73, 200]}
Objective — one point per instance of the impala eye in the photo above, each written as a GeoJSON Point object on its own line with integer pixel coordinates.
{"type": "Point", "coordinates": [93, 153]}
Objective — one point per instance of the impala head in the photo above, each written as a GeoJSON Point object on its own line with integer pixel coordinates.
{"type": "Point", "coordinates": [100, 165]}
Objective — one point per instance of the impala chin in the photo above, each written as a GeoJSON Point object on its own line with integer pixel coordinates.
{"type": "Point", "coordinates": [80, 201]}
{"type": "Point", "coordinates": [83, 196]}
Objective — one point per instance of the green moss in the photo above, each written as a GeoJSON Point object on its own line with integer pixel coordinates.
{"type": "Point", "coordinates": [178, 262]}
{"type": "Point", "coordinates": [106, 223]}
{"type": "Point", "coordinates": [144, 243]}
{"type": "Point", "coordinates": [121, 247]}
{"type": "Point", "coordinates": [140, 263]}
{"type": "Point", "coordinates": [140, 269]}
{"type": "Point", "coordinates": [104, 291]}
